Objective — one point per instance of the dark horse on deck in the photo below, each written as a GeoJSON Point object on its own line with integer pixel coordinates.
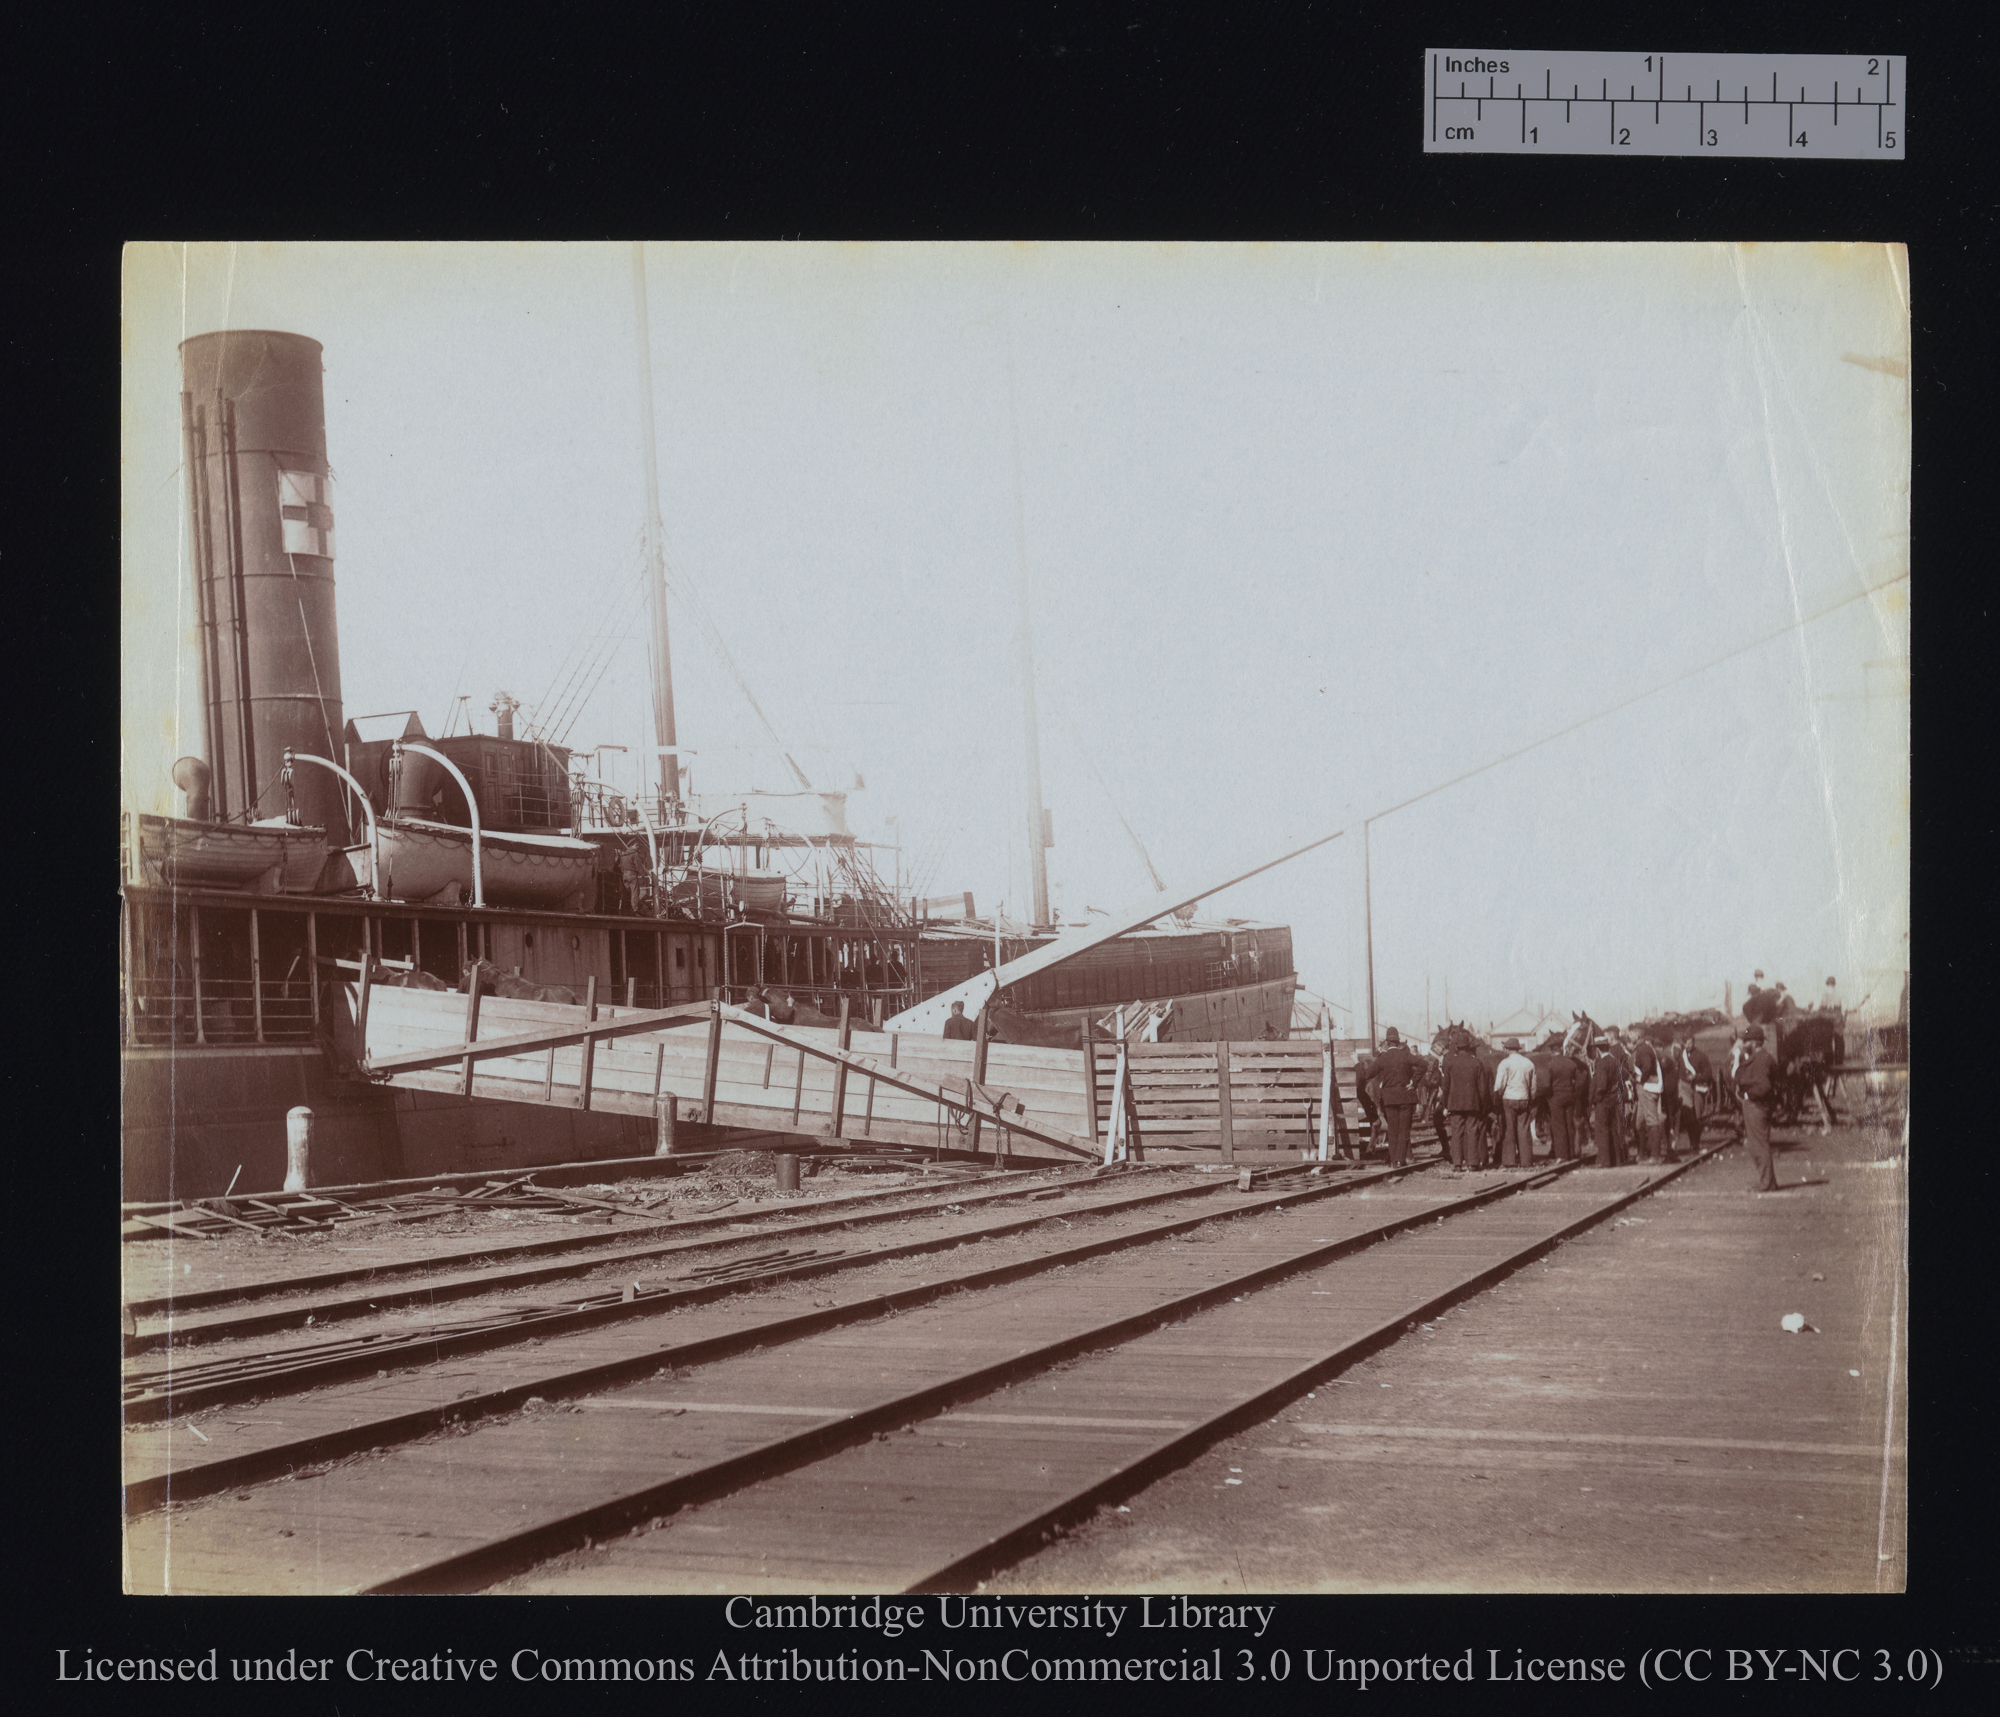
{"type": "Point", "coordinates": [494, 982]}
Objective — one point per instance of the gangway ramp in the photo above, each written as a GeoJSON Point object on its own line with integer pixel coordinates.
{"type": "Point", "coordinates": [725, 1066]}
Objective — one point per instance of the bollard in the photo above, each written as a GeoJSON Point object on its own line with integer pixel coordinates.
{"type": "Point", "coordinates": [298, 1149]}
{"type": "Point", "coordinates": [668, 1104]}
{"type": "Point", "coordinates": [788, 1172]}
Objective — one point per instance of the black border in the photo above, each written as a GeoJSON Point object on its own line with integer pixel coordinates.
{"type": "Point", "coordinates": [1058, 122]}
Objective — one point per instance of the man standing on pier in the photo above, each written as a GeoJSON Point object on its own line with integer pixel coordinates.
{"type": "Point", "coordinates": [1397, 1072]}
{"type": "Point", "coordinates": [1649, 1126]}
{"type": "Point", "coordinates": [1566, 1082]}
{"type": "Point", "coordinates": [1605, 1078]}
{"type": "Point", "coordinates": [1697, 1090]}
{"type": "Point", "coordinates": [1514, 1085]}
{"type": "Point", "coordinates": [1463, 1076]}
{"type": "Point", "coordinates": [1757, 1081]}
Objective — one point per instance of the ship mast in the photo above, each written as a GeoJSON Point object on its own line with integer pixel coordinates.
{"type": "Point", "coordinates": [656, 564]}
{"type": "Point", "coordinates": [1038, 863]}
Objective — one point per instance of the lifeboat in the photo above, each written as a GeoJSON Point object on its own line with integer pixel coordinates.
{"type": "Point", "coordinates": [272, 856]}
{"type": "Point", "coordinates": [433, 862]}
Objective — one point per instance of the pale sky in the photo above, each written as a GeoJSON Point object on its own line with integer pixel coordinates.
{"type": "Point", "coordinates": [1307, 530]}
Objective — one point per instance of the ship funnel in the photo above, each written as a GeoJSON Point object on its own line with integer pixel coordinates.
{"type": "Point", "coordinates": [191, 776]}
{"type": "Point", "coordinates": [259, 492]}
{"type": "Point", "coordinates": [503, 708]}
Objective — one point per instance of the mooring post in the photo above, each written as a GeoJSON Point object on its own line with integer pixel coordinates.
{"type": "Point", "coordinates": [298, 1149]}
{"type": "Point", "coordinates": [664, 1106]}
{"type": "Point", "coordinates": [840, 1067]}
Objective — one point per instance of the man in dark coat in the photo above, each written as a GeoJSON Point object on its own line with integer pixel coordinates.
{"type": "Point", "coordinates": [1605, 1077]}
{"type": "Point", "coordinates": [1397, 1074]}
{"type": "Point", "coordinates": [1364, 1074]}
{"type": "Point", "coordinates": [1465, 1083]}
{"type": "Point", "coordinates": [1757, 1081]}
{"type": "Point", "coordinates": [1567, 1084]}
{"type": "Point", "coordinates": [958, 1026]}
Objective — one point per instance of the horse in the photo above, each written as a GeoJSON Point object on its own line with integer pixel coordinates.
{"type": "Point", "coordinates": [416, 978]}
{"type": "Point", "coordinates": [494, 982]}
{"type": "Point", "coordinates": [1580, 1041]}
{"type": "Point", "coordinates": [1490, 1059]}
{"type": "Point", "coordinates": [1808, 1048]}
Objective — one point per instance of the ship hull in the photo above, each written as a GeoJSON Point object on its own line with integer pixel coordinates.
{"type": "Point", "coordinates": [1246, 1011]}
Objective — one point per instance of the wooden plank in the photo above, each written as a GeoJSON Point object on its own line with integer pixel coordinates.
{"type": "Point", "coordinates": [471, 1028]}
{"type": "Point", "coordinates": [589, 1044]}
{"type": "Point", "coordinates": [1222, 1097]}
{"type": "Point", "coordinates": [714, 1054]}
{"type": "Point", "coordinates": [978, 1074]}
{"type": "Point", "coordinates": [839, 1103]}
{"type": "Point", "coordinates": [572, 1031]}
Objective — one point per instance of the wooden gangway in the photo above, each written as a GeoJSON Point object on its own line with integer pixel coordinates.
{"type": "Point", "coordinates": [720, 1065]}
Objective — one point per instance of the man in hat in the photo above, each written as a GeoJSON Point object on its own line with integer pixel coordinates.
{"type": "Point", "coordinates": [1757, 1080]}
{"type": "Point", "coordinates": [1567, 1084]}
{"type": "Point", "coordinates": [1514, 1085]}
{"type": "Point", "coordinates": [1606, 1074]}
{"type": "Point", "coordinates": [1463, 1076]}
{"type": "Point", "coordinates": [1397, 1074]}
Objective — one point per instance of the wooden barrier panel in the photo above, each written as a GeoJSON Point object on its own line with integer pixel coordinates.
{"type": "Point", "coordinates": [759, 1083]}
{"type": "Point", "coordinates": [1226, 1096]}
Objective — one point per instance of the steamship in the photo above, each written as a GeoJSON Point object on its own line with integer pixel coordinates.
{"type": "Point", "coordinates": [311, 845]}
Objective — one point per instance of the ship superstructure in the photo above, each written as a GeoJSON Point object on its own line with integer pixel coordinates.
{"type": "Point", "coordinates": [313, 846]}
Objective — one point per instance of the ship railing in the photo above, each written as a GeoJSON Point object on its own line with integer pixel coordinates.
{"type": "Point", "coordinates": [182, 1014]}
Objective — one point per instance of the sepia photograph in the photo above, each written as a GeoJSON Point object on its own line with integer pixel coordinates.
{"type": "Point", "coordinates": [1171, 920]}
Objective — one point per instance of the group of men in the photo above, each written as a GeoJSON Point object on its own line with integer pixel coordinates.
{"type": "Point", "coordinates": [1632, 1101]}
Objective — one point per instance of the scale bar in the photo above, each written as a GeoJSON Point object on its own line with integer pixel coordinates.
{"type": "Point", "coordinates": [1799, 119]}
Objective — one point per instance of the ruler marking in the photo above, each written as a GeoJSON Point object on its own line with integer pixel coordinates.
{"type": "Point", "coordinates": [1666, 136]}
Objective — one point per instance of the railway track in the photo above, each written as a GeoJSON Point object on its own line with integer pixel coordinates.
{"type": "Point", "coordinates": [156, 1315]}
{"type": "Point", "coordinates": [191, 1385]}
{"type": "Point", "coordinates": [618, 1354]}
{"type": "Point", "coordinates": [911, 1436]}
{"type": "Point", "coordinates": [185, 1321]}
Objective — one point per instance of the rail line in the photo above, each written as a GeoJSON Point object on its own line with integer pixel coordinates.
{"type": "Point", "coordinates": [168, 1305]}
{"type": "Point", "coordinates": [746, 1472]}
{"type": "Point", "coordinates": [151, 1396]}
{"type": "Point", "coordinates": [586, 1257]}
{"type": "Point", "coordinates": [185, 1481]}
